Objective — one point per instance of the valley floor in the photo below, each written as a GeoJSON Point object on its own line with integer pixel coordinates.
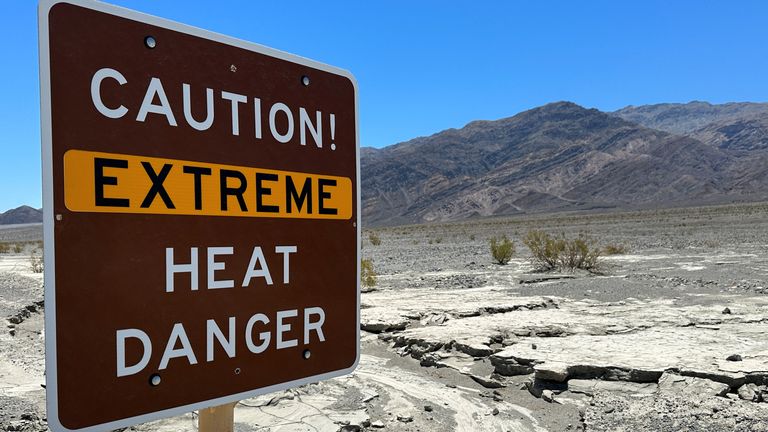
{"type": "Point", "coordinates": [671, 337]}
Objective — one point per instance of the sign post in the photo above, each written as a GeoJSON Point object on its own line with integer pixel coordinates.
{"type": "Point", "coordinates": [201, 218]}
{"type": "Point", "coordinates": [217, 419]}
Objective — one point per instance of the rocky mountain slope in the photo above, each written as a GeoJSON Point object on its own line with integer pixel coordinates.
{"type": "Point", "coordinates": [559, 157]}
{"type": "Point", "coordinates": [21, 215]}
{"type": "Point", "coordinates": [685, 119]}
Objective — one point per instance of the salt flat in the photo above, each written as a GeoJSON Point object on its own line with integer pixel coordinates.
{"type": "Point", "coordinates": [671, 335]}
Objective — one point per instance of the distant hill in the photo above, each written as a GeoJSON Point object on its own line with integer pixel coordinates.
{"type": "Point", "coordinates": [684, 119]}
{"type": "Point", "coordinates": [562, 156]}
{"type": "Point", "coordinates": [21, 215]}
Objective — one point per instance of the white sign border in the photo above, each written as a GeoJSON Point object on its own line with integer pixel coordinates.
{"type": "Point", "coordinates": [44, 8]}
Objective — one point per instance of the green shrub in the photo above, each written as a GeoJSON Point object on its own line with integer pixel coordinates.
{"type": "Point", "coordinates": [374, 239]}
{"type": "Point", "coordinates": [502, 249]}
{"type": "Point", "coordinates": [367, 273]}
{"type": "Point", "coordinates": [560, 253]}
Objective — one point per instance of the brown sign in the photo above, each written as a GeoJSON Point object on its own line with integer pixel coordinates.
{"type": "Point", "coordinates": [201, 217]}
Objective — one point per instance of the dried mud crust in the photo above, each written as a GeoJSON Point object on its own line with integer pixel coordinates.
{"type": "Point", "coordinates": [671, 337]}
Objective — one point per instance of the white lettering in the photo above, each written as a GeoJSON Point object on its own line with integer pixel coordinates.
{"type": "Point", "coordinates": [98, 77]}
{"type": "Point", "coordinates": [286, 251]}
{"type": "Point", "coordinates": [262, 271]}
{"type": "Point", "coordinates": [305, 122]}
{"type": "Point", "coordinates": [228, 343]}
{"type": "Point", "coordinates": [234, 99]}
{"type": "Point", "coordinates": [317, 326]}
{"type": "Point", "coordinates": [282, 328]}
{"type": "Point", "coordinates": [264, 336]}
{"type": "Point", "coordinates": [178, 334]}
{"type": "Point", "coordinates": [172, 268]}
{"type": "Point", "coordinates": [214, 265]}
{"type": "Point", "coordinates": [283, 138]}
{"type": "Point", "coordinates": [121, 336]}
{"type": "Point", "coordinates": [205, 124]}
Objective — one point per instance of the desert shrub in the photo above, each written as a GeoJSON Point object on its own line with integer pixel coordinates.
{"type": "Point", "coordinates": [502, 249]}
{"type": "Point", "coordinates": [374, 239]}
{"type": "Point", "coordinates": [5, 247]}
{"type": "Point", "coordinates": [36, 263]}
{"type": "Point", "coordinates": [615, 249]}
{"type": "Point", "coordinates": [545, 250]}
{"type": "Point", "coordinates": [17, 248]}
{"type": "Point", "coordinates": [551, 253]}
{"type": "Point", "coordinates": [472, 237]}
{"type": "Point", "coordinates": [439, 240]}
{"type": "Point", "coordinates": [367, 273]}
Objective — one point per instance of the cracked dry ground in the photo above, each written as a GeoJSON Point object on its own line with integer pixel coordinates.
{"type": "Point", "coordinates": [670, 338]}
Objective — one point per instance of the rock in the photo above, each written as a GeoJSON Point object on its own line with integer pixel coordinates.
{"type": "Point", "coordinates": [30, 417]}
{"type": "Point", "coordinates": [551, 371]}
{"type": "Point", "coordinates": [495, 411]}
{"type": "Point", "coordinates": [451, 385]}
{"type": "Point", "coordinates": [748, 392]}
{"type": "Point", "coordinates": [609, 409]}
{"type": "Point", "coordinates": [377, 424]}
{"type": "Point", "coordinates": [365, 423]}
{"type": "Point", "coordinates": [475, 350]}
{"type": "Point", "coordinates": [537, 387]}
{"type": "Point", "coordinates": [428, 408]}
{"type": "Point", "coordinates": [15, 425]}
{"type": "Point", "coordinates": [548, 396]}
{"type": "Point", "coordinates": [350, 428]}
{"type": "Point", "coordinates": [590, 387]}
{"type": "Point", "coordinates": [370, 397]}
{"type": "Point", "coordinates": [727, 311]}
{"type": "Point", "coordinates": [378, 326]}
{"type": "Point", "coordinates": [691, 387]}
{"type": "Point", "coordinates": [405, 419]}
{"type": "Point", "coordinates": [734, 357]}
{"type": "Point", "coordinates": [486, 382]}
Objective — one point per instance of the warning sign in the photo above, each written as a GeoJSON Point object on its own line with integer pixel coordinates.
{"type": "Point", "coordinates": [201, 200]}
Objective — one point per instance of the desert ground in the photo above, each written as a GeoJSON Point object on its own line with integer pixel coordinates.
{"type": "Point", "coordinates": [670, 336]}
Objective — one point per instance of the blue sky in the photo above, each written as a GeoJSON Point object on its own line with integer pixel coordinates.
{"type": "Point", "coordinates": [424, 66]}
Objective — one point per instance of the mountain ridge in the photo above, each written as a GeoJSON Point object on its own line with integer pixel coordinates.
{"type": "Point", "coordinates": [21, 215]}
{"type": "Point", "coordinates": [559, 156]}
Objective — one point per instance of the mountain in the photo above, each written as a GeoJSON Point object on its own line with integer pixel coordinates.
{"type": "Point", "coordinates": [21, 215]}
{"type": "Point", "coordinates": [556, 157]}
{"type": "Point", "coordinates": [684, 119]}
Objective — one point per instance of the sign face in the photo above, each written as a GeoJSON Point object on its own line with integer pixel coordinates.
{"type": "Point", "coordinates": [201, 217]}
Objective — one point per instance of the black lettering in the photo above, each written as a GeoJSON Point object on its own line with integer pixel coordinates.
{"type": "Point", "coordinates": [100, 180]}
{"type": "Point", "coordinates": [237, 192]}
{"type": "Point", "coordinates": [198, 173]}
{"type": "Point", "coordinates": [292, 195]}
{"type": "Point", "coordinates": [157, 185]}
{"type": "Point", "coordinates": [321, 183]}
{"type": "Point", "coordinates": [261, 191]}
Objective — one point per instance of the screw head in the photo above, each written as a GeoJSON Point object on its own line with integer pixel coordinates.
{"type": "Point", "coordinates": [307, 354]}
{"type": "Point", "coordinates": [154, 380]}
{"type": "Point", "coordinates": [150, 42]}
{"type": "Point", "coordinates": [305, 80]}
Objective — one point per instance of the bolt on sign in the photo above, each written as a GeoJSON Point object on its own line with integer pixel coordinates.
{"type": "Point", "coordinates": [201, 214]}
